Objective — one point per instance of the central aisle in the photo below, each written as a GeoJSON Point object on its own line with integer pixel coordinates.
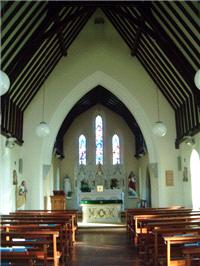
{"type": "Point", "coordinates": [103, 247]}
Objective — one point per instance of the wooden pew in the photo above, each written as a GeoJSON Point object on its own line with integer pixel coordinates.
{"type": "Point", "coordinates": [68, 218]}
{"type": "Point", "coordinates": [159, 234]}
{"type": "Point", "coordinates": [36, 243]}
{"type": "Point", "coordinates": [191, 254]}
{"type": "Point", "coordinates": [129, 213]}
{"type": "Point", "coordinates": [141, 221]}
{"type": "Point", "coordinates": [132, 221]}
{"type": "Point", "coordinates": [62, 240]}
{"type": "Point", "coordinates": [72, 214]}
{"type": "Point", "coordinates": [46, 221]}
{"type": "Point", "coordinates": [144, 224]}
{"type": "Point", "coordinates": [175, 240]}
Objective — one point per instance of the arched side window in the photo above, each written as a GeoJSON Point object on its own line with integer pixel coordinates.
{"type": "Point", "coordinates": [99, 139]}
{"type": "Point", "coordinates": [82, 149]}
{"type": "Point", "coordinates": [195, 178]}
{"type": "Point", "coordinates": [115, 150]}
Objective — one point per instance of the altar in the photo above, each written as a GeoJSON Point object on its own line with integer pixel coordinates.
{"type": "Point", "coordinates": [102, 207]}
{"type": "Point", "coordinates": [101, 211]}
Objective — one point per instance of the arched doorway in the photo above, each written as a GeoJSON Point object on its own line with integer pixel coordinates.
{"type": "Point", "coordinates": [195, 178]}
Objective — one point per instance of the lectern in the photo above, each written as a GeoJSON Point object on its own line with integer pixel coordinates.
{"type": "Point", "coordinates": [58, 200]}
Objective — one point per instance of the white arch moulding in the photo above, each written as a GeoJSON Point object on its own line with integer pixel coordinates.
{"type": "Point", "coordinates": [98, 78]}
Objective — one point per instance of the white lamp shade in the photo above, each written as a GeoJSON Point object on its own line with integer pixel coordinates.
{"type": "Point", "coordinates": [159, 129]}
{"type": "Point", "coordinates": [10, 142]}
{"type": "Point", "coordinates": [197, 79]}
{"type": "Point", "coordinates": [42, 130]}
{"type": "Point", "coordinates": [4, 83]}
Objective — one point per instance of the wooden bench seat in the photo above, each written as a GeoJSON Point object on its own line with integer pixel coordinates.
{"type": "Point", "coordinates": [177, 240]}
{"type": "Point", "coordinates": [65, 239]}
{"type": "Point", "coordinates": [62, 240]}
{"type": "Point", "coordinates": [191, 253]}
{"type": "Point", "coordinates": [141, 223]}
{"type": "Point", "coordinates": [38, 245]}
{"type": "Point", "coordinates": [133, 223]}
{"type": "Point", "coordinates": [130, 213]}
{"type": "Point", "coordinates": [67, 214]}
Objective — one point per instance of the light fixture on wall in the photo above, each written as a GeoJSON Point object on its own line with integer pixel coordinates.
{"type": "Point", "coordinates": [10, 142]}
{"type": "Point", "coordinates": [189, 140]}
{"type": "Point", "coordinates": [43, 130]}
{"type": "Point", "coordinates": [159, 128]}
{"type": "Point", "coordinates": [4, 83]}
{"type": "Point", "coordinates": [197, 79]}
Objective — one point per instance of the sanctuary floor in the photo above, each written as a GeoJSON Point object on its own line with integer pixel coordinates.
{"type": "Point", "coordinates": [103, 246]}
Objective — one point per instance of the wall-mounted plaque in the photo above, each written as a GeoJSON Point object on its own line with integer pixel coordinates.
{"type": "Point", "coordinates": [169, 175]}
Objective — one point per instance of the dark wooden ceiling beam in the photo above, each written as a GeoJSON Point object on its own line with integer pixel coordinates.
{"type": "Point", "coordinates": [172, 52]}
{"type": "Point", "coordinates": [99, 4]}
{"type": "Point", "coordinates": [138, 35]}
{"type": "Point", "coordinates": [28, 51]}
{"type": "Point", "coordinates": [128, 16]}
{"type": "Point", "coordinates": [20, 34]}
{"type": "Point", "coordinates": [14, 26]}
{"type": "Point", "coordinates": [60, 25]}
{"type": "Point", "coordinates": [186, 45]}
{"type": "Point", "coordinates": [151, 73]}
{"type": "Point", "coordinates": [17, 7]}
{"type": "Point", "coordinates": [119, 28]}
{"type": "Point", "coordinates": [40, 82]}
{"type": "Point", "coordinates": [78, 26]}
{"type": "Point", "coordinates": [128, 29]}
{"type": "Point", "coordinates": [59, 31]}
{"type": "Point", "coordinates": [39, 76]}
{"type": "Point", "coordinates": [31, 47]}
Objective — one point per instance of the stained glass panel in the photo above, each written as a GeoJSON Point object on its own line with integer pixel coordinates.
{"type": "Point", "coordinates": [99, 139]}
{"type": "Point", "coordinates": [82, 150]}
{"type": "Point", "coordinates": [115, 149]}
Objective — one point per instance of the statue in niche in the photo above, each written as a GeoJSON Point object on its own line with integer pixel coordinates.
{"type": "Point", "coordinates": [99, 176]}
{"type": "Point", "coordinates": [114, 183]}
{"type": "Point", "coordinates": [132, 185]}
{"type": "Point", "coordinates": [85, 186]}
{"type": "Point", "coordinates": [67, 187]}
{"type": "Point", "coordinates": [21, 195]}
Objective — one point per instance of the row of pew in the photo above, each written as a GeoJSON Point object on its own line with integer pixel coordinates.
{"type": "Point", "coordinates": [165, 236]}
{"type": "Point", "coordinates": [35, 237]}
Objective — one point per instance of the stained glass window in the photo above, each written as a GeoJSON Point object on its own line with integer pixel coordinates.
{"type": "Point", "coordinates": [82, 149]}
{"type": "Point", "coordinates": [99, 139]}
{"type": "Point", "coordinates": [115, 149]}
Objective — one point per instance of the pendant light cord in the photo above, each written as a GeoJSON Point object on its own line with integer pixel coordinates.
{"type": "Point", "coordinates": [44, 89]}
{"type": "Point", "coordinates": [158, 110]}
{"type": "Point", "coordinates": [43, 99]}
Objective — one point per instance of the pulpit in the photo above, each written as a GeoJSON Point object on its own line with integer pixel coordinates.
{"type": "Point", "coordinates": [58, 200]}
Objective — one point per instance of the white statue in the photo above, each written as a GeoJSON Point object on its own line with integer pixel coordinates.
{"type": "Point", "coordinates": [67, 186]}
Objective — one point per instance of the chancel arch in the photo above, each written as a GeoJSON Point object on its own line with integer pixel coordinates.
{"type": "Point", "coordinates": [79, 91]}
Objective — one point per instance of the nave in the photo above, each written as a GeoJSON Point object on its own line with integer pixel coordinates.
{"type": "Point", "coordinates": [103, 247]}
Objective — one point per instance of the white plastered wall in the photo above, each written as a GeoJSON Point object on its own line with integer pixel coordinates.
{"type": "Point", "coordinates": [9, 161]}
{"type": "Point", "coordinates": [99, 57]}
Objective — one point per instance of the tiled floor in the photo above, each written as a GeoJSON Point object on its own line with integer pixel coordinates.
{"type": "Point", "coordinates": [103, 247]}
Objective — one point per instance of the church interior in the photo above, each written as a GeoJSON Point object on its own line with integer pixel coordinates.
{"type": "Point", "coordinates": [100, 132]}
